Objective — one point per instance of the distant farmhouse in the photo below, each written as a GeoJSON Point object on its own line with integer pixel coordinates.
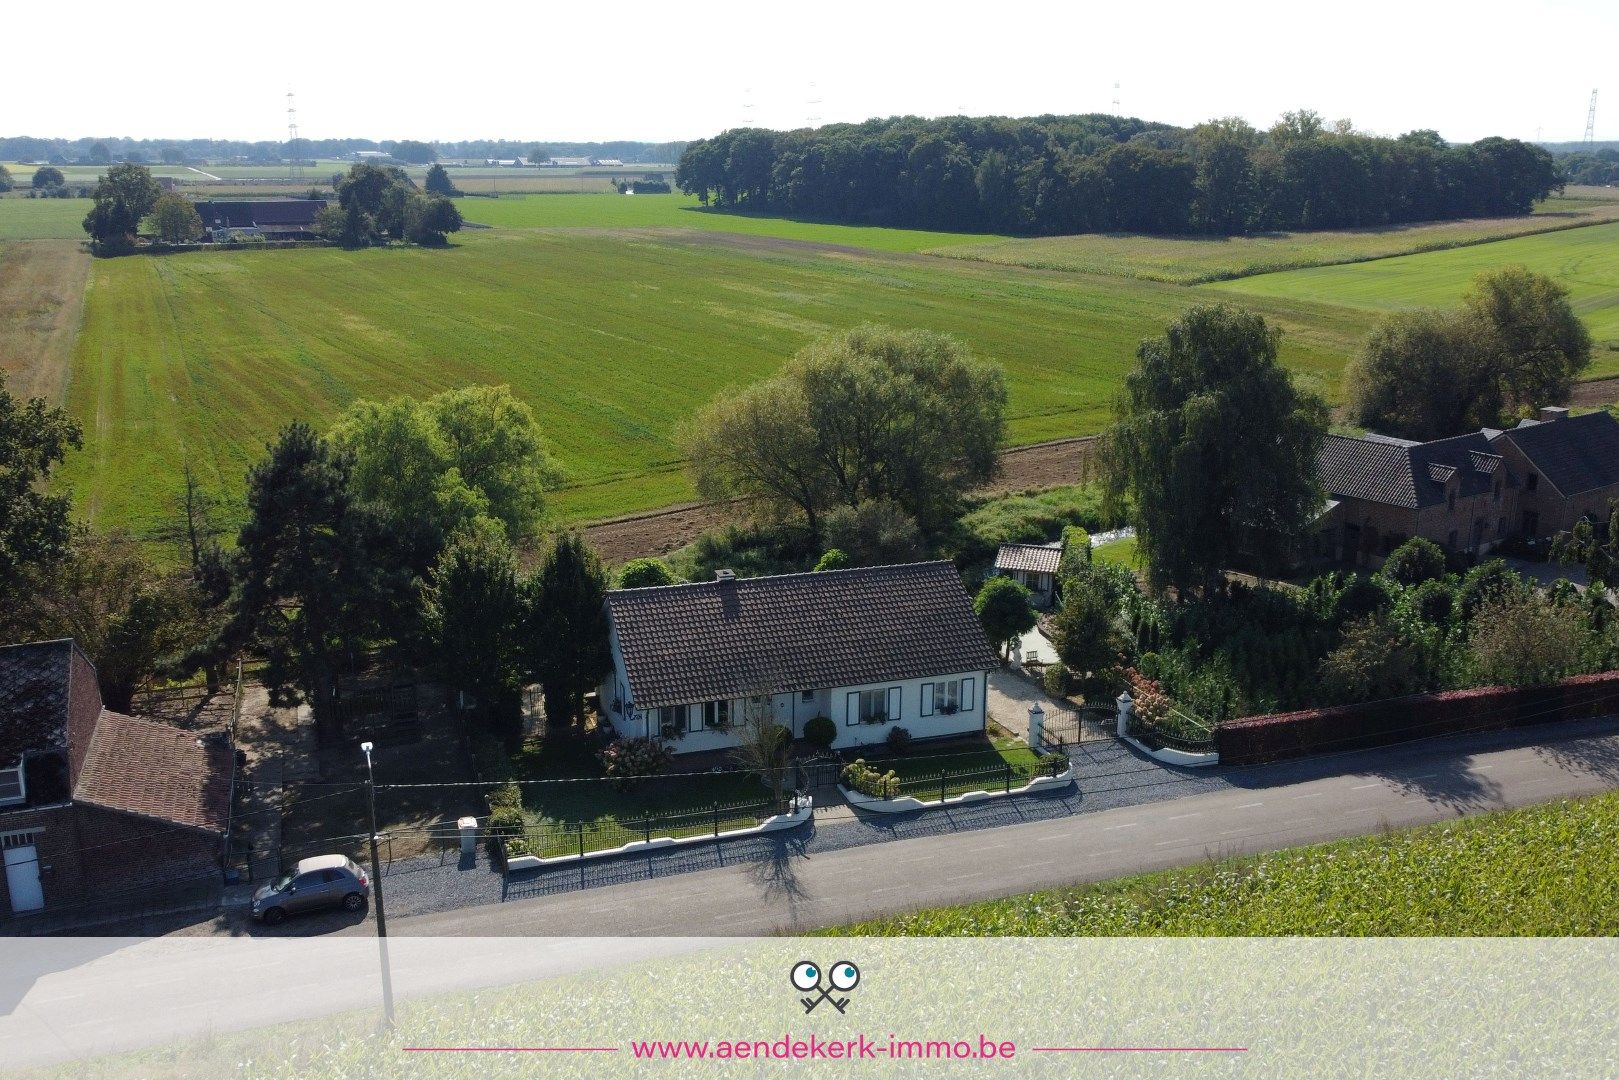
{"type": "Point", "coordinates": [1468, 494]}
{"type": "Point", "coordinates": [271, 219]}
{"type": "Point", "coordinates": [870, 649]}
{"type": "Point", "coordinates": [568, 162]}
{"type": "Point", "coordinates": [371, 155]}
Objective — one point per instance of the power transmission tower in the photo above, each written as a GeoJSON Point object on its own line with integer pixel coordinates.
{"type": "Point", "coordinates": [296, 169]}
{"type": "Point", "coordinates": [1591, 120]}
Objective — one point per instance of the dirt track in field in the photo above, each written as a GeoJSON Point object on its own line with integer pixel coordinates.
{"type": "Point", "coordinates": [42, 286]}
{"type": "Point", "coordinates": [1023, 468]}
{"type": "Point", "coordinates": [1595, 393]}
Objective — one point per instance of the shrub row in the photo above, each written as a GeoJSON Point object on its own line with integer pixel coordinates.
{"type": "Point", "coordinates": [1376, 723]}
{"type": "Point", "coordinates": [859, 776]}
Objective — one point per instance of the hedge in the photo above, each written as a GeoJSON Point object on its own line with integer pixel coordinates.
{"type": "Point", "coordinates": [1377, 723]}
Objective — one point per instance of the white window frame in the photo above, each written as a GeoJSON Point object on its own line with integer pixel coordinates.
{"type": "Point", "coordinates": [713, 715]}
{"type": "Point", "coordinates": [21, 785]}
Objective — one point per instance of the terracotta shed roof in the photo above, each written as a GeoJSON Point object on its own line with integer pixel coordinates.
{"type": "Point", "coordinates": [718, 640]}
{"type": "Point", "coordinates": [157, 771]}
{"type": "Point", "coordinates": [1032, 558]}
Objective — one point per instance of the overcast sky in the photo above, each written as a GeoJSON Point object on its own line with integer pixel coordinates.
{"type": "Point", "coordinates": [628, 70]}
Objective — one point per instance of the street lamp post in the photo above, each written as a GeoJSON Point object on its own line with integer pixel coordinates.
{"type": "Point", "coordinates": [376, 887]}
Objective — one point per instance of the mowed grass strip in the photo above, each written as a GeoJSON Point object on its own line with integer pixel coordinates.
{"type": "Point", "coordinates": [1549, 870]}
{"type": "Point", "coordinates": [43, 219]}
{"type": "Point", "coordinates": [684, 212]}
{"type": "Point", "coordinates": [614, 341]}
{"type": "Point", "coordinates": [1585, 260]}
{"type": "Point", "coordinates": [1189, 260]}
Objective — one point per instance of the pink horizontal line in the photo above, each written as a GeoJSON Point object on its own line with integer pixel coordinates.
{"type": "Point", "coordinates": [511, 1049]}
{"type": "Point", "coordinates": [1140, 1049]}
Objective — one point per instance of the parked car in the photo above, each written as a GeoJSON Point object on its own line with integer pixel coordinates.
{"type": "Point", "coordinates": [324, 881]}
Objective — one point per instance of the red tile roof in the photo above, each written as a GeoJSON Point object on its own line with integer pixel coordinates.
{"type": "Point", "coordinates": [157, 771]}
{"type": "Point", "coordinates": [1031, 558]}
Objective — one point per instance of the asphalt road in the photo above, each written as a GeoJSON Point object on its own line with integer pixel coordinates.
{"type": "Point", "coordinates": [72, 997]}
{"type": "Point", "coordinates": [1396, 787]}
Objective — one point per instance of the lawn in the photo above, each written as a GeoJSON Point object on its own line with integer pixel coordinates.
{"type": "Point", "coordinates": [1189, 260]}
{"type": "Point", "coordinates": [1585, 260]}
{"type": "Point", "coordinates": [684, 212]}
{"type": "Point", "coordinates": [614, 339]}
{"type": "Point", "coordinates": [1547, 870]}
{"type": "Point", "coordinates": [42, 219]}
{"type": "Point", "coordinates": [564, 809]}
{"type": "Point", "coordinates": [1118, 553]}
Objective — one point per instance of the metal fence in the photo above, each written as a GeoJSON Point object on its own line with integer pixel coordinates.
{"type": "Point", "coordinates": [1183, 732]}
{"type": "Point", "coordinates": [554, 838]}
{"type": "Point", "coordinates": [947, 782]}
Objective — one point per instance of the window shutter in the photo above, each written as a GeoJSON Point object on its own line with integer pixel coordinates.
{"type": "Point", "coordinates": [852, 716]}
{"type": "Point", "coordinates": [927, 699]}
{"type": "Point", "coordinates": [894, 704]}
{"type": "Point", "coordinates": [966, 694]}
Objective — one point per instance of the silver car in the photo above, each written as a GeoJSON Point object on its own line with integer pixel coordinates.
{"type": "Point", "coordinates": [324, 881]}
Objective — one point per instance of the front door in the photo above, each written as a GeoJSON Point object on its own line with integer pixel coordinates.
{"type": "Point", "coordinates": [22, 879]}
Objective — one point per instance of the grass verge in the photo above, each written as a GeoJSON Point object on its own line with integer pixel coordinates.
{"type": "Point", "coordinates": [1546, 870]}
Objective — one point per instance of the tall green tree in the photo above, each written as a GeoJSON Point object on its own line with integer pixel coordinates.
{"type": "Point", "coordinates": [565, 626]}
{"type": "Point", "coordinates": [869, 414]}
{"type": "Point", "coordinates": [1215, 447]}
{"type": "Point", "coordinates": [438, 182]}
{"type": "Point", "coordinates": [1004, 611]}
{"type": "Point", "coordinates": [35, 526]}
{"type": "Point", "coordinates": [124, 196]}
{"type": "Point", "coordinates": [430, 219]}
{"type": "Point", "coordinates": [1423, 375]}
{"type": "Point", "coordinates": [439, 465]}
{"type": "Point", "coordinates": [473, 620]}
{"type": "Point", "coordinates": [6, 181]}
{"type": "Point", "coordinates": [48, 176]}
{"type": "Point", "coordinates": [1535, 344]}
{"type": "Point", "coordinates": [175, 220]}
{"type": "Point", "coordinates": [309, 584]}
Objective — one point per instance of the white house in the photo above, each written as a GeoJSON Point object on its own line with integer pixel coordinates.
{"type": "Point", "coordinates": [872, 648]}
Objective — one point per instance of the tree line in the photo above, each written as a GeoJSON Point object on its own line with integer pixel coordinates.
{"type": "Point", "coordinates": [1098, 173]}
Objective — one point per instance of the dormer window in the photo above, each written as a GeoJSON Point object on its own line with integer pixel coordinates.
{"type": "Point", "coordinates": [12, 788]}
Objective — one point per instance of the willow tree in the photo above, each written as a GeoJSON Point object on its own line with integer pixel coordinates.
{"type": "Point", "coordinates": [1216, 449]}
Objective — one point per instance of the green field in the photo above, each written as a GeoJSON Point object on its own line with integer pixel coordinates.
{"type": "Point", "coordinates": [1549, 870]}
{"type": "Point", "coordinates": [613, 338]}
{"type": "Point", "coordinates": [1189, 260]}
{"type": "Point", "coordinates": [1585, 260]}
{"type": "Point", "coordinates": [43, 219]}
{"type": "Point", "coordinates": [684, 212]}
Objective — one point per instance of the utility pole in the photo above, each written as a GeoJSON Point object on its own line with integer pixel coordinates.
{"type": "Point", "coordinates": [376, 887]}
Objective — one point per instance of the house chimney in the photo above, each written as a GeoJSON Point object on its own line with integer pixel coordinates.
{"type": "Point", "coordinates": [725, 575]}
{"type": "Point", "coordinates": [1550, 413]}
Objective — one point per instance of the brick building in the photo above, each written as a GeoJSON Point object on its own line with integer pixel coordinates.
{"type": "Point", "coordinates": [1381, 491]}
{"type": "Point", "coordinates": [1568, 465]}
{"type": "Point", "coordinates": [95, 805]}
